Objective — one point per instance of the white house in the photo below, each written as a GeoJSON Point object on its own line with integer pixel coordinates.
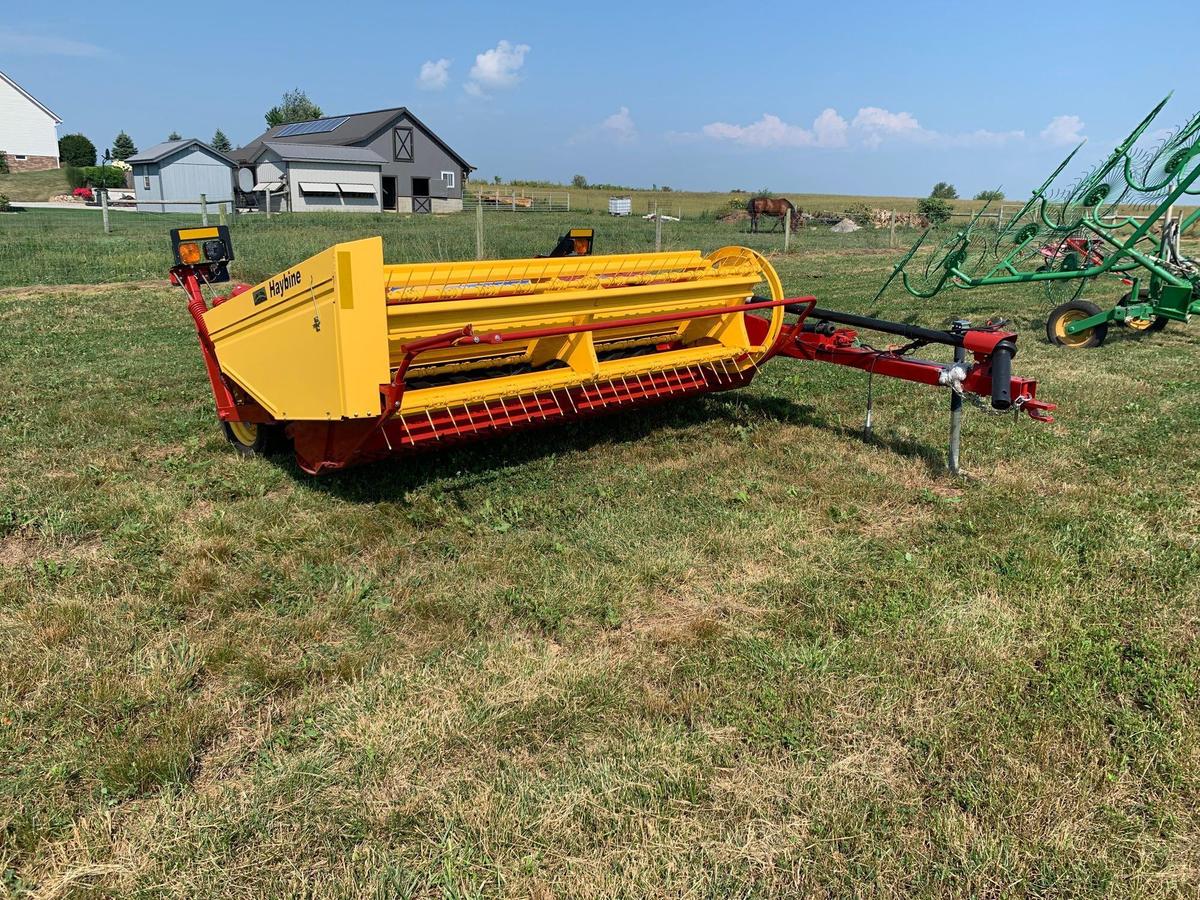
{"type": "Point", "coordinates": [28, 129]}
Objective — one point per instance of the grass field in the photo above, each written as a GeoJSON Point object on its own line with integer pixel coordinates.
{"type": "Point", "coordinates": [34, 185]}
{"type": "Point", "coordinates": [721, 648]}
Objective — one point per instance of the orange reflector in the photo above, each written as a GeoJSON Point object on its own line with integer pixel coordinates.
{"type": "Point", "coordinates": [189, 253]}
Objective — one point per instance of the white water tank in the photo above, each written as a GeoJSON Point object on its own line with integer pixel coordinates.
{"type": "Point", "coordinates": [620, 206]}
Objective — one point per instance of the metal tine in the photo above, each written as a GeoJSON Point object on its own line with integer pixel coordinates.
{"type": "Point", "coordinates": [386, 439]}
{"type": "Point", "coordinates": [489, 413]}
{"type": "Point", "coordinates": [470, 417]}
{"type": "Point", "coordinates": [557, 402]}
{"type": "Point", "coordinates": [432, 427]}
{"type": "Point", "coordinates": [539, 406]}
{"type": "Point", "coordinates": [407, 433]}
{"type": "Point", "coordinates": [453, 421]}
{"type": "Point", "coordinates": [725, 370]}
{"type": "Point", "coordinates": [524, 408]}
{"type": "Point", "coordinates": [571, 400]}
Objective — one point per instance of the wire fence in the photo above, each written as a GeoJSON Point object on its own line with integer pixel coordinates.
{"type": "Point", "coordinates": [71, 246]}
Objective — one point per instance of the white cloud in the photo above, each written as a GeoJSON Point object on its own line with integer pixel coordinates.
{"type": "Point", "coordinates": [871, 126]}
{"type": "Point", "coordinates": [434, 75]}
{"type": "Point", "coordinates": [829, 130]}
{"type": "Point", "coordinates": [496, 68]}
{"type": "Point", "coordinates": [46, 45]}
{"type": "Point", "coordinates": [1063, 130]}
{"type": "Point", "coordinates": [878, 123]}
{"type": "Point", "coordinates": [620, 126]}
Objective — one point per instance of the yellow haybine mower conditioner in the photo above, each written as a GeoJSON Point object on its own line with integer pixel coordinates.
{"type": "Point", "coordinates": [353, 360]}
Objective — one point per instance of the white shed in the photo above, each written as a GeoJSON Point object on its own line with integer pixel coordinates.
{"type": "Point", "coordinates": [171, 176]}
{"type": "Point", "coordinates": [316, 177]}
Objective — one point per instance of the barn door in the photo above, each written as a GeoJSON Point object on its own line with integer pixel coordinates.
{"type": "Point", "coordinates": [420, 196]}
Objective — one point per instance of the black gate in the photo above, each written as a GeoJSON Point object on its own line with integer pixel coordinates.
{"type": "Point", "coordinates": [422, 205]}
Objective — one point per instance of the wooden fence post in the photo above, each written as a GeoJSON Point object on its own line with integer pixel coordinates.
{"type": "Point", "coordinates": [267, 197]}
{"type": "Point", "coordinates": [787, 231]}
{"type": "Point", "coordinates": [657, 229]}
{"type": "Point", "coordinates": [892, 230]}
{"type": "Point", "coordinates": [479, 230]}
{"type": "Point", "coordinates": [221, 214]}
{"type": "Point", "coordinates": [104, 210]}
{"type": "Point", "coordinates": [203, 209]}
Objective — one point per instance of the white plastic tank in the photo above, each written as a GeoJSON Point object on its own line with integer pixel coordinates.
{"type": "Point", "coordinates": [620, 206]}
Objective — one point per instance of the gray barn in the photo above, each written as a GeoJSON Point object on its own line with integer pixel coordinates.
{"type": "Point", "coordinates": [417, 170]}
{"type": "Point", "coordinates": [181, 170]}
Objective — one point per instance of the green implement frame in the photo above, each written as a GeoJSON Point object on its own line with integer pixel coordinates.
{"type": "Point", "coordinates": [1114, 220]}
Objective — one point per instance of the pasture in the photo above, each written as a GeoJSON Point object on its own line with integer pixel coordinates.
{"type": "Point", "coordinates": [719, 648]}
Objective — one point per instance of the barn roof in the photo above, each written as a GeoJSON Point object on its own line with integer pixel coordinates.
{"type": "Point", "coordinates": [354, 128]}
{"type": "Point", "coordinates": [161, 151]}
{"type": "Point", "coordinates": [323, 153]}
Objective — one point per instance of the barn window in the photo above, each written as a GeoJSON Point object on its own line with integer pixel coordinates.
{"type": "Point", "coordinates": [448, 179]}
{"type": "Point", "coordinates": [403, 141]}
{"type": "Point", "coordinates": [146, 183]}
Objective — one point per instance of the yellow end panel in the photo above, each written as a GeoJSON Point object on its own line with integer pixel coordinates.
{"type": "Point", "coordinates": [268, 340]}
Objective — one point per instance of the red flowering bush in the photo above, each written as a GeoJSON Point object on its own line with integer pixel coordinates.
{"type": "Point", "coordinates": [83, 193]}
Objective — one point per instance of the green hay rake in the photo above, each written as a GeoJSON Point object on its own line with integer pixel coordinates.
{"type": "Point", "coordinates": [1114, 220]}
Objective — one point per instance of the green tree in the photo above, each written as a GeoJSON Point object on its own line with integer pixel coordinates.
{"type": "Point", "coordinates": [221, 143]}
{"type": "Point", "coordinates": [944, 191]}
{"type": "Point", "coordinates": [76, 150]}
{"type": "Point", "coordinates": [990, 195]}
{"type": "Point", "coordinates": [293, 107]}
{"type": "Point", "coordinates": [123, 146]}
{"type": "Point", "coordinates": [495, 179]}
{"type": "Point", "coordinates": [579, 182]}
{"type": "Point", "coordinates": [935, 209]}
{"type": "Point", "coordinates": [174, 136]}
{"type": "Point", "coordinates": [3, 163]}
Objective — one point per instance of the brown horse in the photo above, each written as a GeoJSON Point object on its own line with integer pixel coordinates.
{"type": "Point", "coordinates": [777, 207]}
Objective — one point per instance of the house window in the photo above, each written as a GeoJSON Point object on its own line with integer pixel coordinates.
{"type": "Point", "coordinates": [402, 139]}
{"type": "Point", "coordinates": [448, 179]}
{"type": "Point", "coordinates": [20, 156]}
{"type": "Point", "coordinates": [146, 183]}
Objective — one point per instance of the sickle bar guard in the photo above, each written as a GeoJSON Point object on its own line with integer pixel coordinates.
{"type": "Point", "coordinates": [354, 360]}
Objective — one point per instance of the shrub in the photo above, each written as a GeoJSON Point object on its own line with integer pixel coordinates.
{"type": "Point", "coordinates": [5, 206]}
{"type": "Point", "coordinates": [3, 163]}
{"type": "Point", "coordinates": [83, 193]}
{"type": "Point", "coordinates": [579, 182]}
{"type": "Point", "coordinates": [76, 150]}
{"type": "Point", "coordinates": [935, 209]}
{"type": "Point", "coordinates": [990, 195]}
{"type": "Point", "coordinates": [944, 191]}
{"type": "Point", "coordinates": [861, 215]}
{"type": "Point", "coordinates": [95, 176]}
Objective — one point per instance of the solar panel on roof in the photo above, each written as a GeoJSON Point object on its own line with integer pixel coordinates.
{"type": "Point", "coordinates": [318, 126]}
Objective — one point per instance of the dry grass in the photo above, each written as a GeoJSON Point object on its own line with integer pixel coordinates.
{"type": "Point", "coordinates": [719, 649]}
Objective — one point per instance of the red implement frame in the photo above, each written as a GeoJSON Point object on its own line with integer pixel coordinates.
{"type": "Point", "coordinates": [326, 446]}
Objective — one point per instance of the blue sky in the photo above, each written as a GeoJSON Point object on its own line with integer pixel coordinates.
{"type": "Point", "coordinates": [866, 98]}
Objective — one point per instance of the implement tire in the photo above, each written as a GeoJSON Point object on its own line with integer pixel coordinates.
{"type": "Point", "coordinates": [250, 439]}
{"type": "Point", "coordinates": [1061, 316]}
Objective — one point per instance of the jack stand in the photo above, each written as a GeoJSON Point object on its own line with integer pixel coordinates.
{"type": "Point", "coordinates": [960, 326]}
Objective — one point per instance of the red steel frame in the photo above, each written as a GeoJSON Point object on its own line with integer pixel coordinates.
{"type": "Point", "coordinates": [326, 446]}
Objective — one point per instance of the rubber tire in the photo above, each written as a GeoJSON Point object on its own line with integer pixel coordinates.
{"type": "Point", "coordinates": [267, 440]}
{"type": "Point", "coordinates": [1095, 337]}
{"type": "Point", "coordinates": [1158, 323]}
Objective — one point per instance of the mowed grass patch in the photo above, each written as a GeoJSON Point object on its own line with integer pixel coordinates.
{"type": "Point", "coordinates": [718, 648]}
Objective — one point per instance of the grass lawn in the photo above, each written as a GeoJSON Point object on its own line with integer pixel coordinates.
{"type": "Point", "coordinates": [34, 185]}
{"type": "Point", "coordinates": [720, 648]}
